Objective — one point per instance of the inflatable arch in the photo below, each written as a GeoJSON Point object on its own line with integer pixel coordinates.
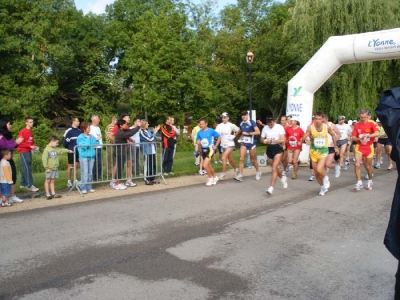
{"type": "Point", "coordinates": [338, 50]}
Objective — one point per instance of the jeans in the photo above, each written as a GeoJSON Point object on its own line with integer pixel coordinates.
{"type": "Point", "coordinates": [86, 173]}
{"type": "Point", "coordinates": [168, 159]}
{"type": "Point", "coordinates": [97, 166]}
{"type": "Point", "coordinates": [26, 169]}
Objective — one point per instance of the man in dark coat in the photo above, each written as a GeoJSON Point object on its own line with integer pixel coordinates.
{"type": "Point", "coordinates": [388, 112]}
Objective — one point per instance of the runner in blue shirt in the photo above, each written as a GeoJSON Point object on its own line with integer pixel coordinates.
{"type": "Point", "coordinates": [205, 140]}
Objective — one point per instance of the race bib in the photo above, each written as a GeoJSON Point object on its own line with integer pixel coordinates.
{"type": "Point", "coordinates": [247, 139]}
{"type": "Point", "coordinates": [293, 143]}
{"type": "Point", "coordinates": [319, 142]}
{"type": "Point", "coordinates": [225, 145]}
{"type": "Point", "coordinates": [204, 143]}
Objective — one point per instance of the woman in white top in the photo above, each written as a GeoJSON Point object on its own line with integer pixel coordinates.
{"type": "Point", "coordinates": [227, 132]}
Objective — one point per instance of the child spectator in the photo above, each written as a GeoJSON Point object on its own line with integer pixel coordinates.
{"type": "Point", "coordinates": [50, 164]}
{"type": "Point", "coordinates": [5, 177]}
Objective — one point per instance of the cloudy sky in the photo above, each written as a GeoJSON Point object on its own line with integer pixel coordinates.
{"type": "Point", "coordinates": [98, 6]}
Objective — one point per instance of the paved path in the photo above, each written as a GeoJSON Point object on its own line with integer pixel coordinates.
{"type": "Point", "coordinates": [230, 241]}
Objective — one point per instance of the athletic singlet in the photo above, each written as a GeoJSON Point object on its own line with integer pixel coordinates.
{"type": "Point", "coordinates": [248, 126]}
{"type": "Point", "coordinates": [319, 139]}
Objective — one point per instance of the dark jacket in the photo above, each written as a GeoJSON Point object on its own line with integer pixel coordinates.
{"type": "Point", "coordinates": [388, 112]}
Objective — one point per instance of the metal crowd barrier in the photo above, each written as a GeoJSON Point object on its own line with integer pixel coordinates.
{"type": "Point", "coordinates": [126, 160]}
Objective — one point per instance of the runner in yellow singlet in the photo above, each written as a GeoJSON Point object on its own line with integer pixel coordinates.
{"type": "Point", "coordinates": [316, 137]}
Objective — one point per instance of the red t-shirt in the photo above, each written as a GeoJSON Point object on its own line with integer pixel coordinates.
{"type": "Point", "coordinates": [293, 137]}
{"type": "Point", "coordinates": [27, 135]}
{"type": "Point", "coordinates": [364, 128]}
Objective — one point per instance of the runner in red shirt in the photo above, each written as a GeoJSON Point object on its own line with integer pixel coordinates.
{"type": "Point", "coordinates": [294, 137]}
{"type": "Point", "coordinates": [364, 134]}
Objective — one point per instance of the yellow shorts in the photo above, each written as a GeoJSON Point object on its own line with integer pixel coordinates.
{"type": "Point", "coordinates": [365, 150]}
{"type": "Point", "coordinates": [315, 155]}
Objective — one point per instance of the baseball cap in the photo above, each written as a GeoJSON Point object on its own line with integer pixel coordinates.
{"type": "Point", "coordinates": [269, 119]}
{"type": "Point", "coordinates": [224, 114]}
{"type": "Point", "coordinates": [244, 113]}
{"type": "Point", "coordinates": [341, 118]}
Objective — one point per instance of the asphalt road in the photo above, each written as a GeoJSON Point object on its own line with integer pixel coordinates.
{"type": "Point", "coordinates": [230, 241]}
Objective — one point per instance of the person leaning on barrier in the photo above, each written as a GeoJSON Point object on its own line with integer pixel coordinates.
{"type": "Point", "coordinates": [122, 136]}
{"type": "Point", "coordinates": [110, 149]}
{"type": "Point", "coordinates": [148, 148]}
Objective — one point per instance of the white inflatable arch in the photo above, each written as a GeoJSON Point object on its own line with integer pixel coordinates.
{"type": "Point", "coordinates": [338, 50]}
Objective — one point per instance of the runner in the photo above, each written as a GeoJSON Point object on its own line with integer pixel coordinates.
{"type": "Point", "coordinates": [294, 137]}
{"type": "Point", "coordinates": [344, 138]}
{"type": "Point", "coordinates": [317, 137]}
{"type": "Point", "coordinates": [205, 140]}
{"type": "Point", "coordinates": [364, 134]}
{"type": "Point", "coordinates": [248, 130]}
{"type": "Point", "coordinates": [332, 149]}
{"type": "Point", "coordinates": [227, 131]}
{"type": "Point", "coordinates": [273, 135]}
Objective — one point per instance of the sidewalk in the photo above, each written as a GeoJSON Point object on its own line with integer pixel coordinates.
{"type": "Point", "coordinates": [104, 191]}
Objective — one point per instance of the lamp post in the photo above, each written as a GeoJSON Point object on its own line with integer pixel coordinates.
{"type": "Point", "coordinates": [249, 60]}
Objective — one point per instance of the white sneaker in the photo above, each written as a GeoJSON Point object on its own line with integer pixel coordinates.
{"type": "Point", "coordinates": [130, 183]}
{"type": "Point", "coordinates": [312, 178]}
{"type": "Point", "coordinates": [358, 186]}
{"type": "Point", "coordinates": [69, 183]}
{"type": "Point", "coordinates": [210, 182]}
{"type": "Point", "coordinates": [326, 182]}
{"type": "Point", "coordinates": [84, 192]}
{"type": "Point", "coordinates": [222, 176]}
{"type": "Point", "coordinates": [322, 191]}
{"type": "Point", "coordinates": [369, 185]}
{"type": "Point", "coordinates": [15, 199]}
{"type": "Point", "coordinates": [215, 180]}
{"type": "Point", "coordinates": [377, 166]}
{"type": "Point", "coordinates": [270, 190]}
{"type": "Point", "coordinates": [92, 191]}
{"type": "Point", "coordinates": [258, 175]}
{"type": "Point", "coordinates": [33, 188]}
{"type": "Point", "coordinates": [283, 173]}
{"type": "Point", "coordinates": [120, 186]}
{"type": "Point", "coordinates": [337, 171]}
{"type": "Point", "coordinates": [239, 177]}
{"type": "Point", "coordinates": [390, 167]}
{"type": "Point", "coordinates": [291, 168]}
{"type": "Point", "coordinates": [284, 182]}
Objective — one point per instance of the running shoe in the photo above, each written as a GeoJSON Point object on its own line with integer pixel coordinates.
{"type": "Point", "coordinates": [130, 183]}
{"type": "Point", "coordinates": [326, 182]}
{"type": "Point", "coordinates": [337, 171]}
{"type": "Point", "coordinates": [312, 178]}
{"type": "Point", "coordinates": [220, 161]}
{"type": "Point", "coordinates": [284, 182]}
{"type": "Point", "coordinates": [49, 197]}
{"type": "Point", "coordinates": [239, 177]}
{"type": "Point", "coordinates": [323, 191]}
{"type": "Point", "coordinates": [294, 176]}
{"type": "Point", "coordinates": [92, 191]}
{"type": "Point", "coordinates": [390, 167]}
{"type": "Point", "coordinates": [377, 166]}
{"type": "Point", "coordinates": [210, 182]}
{"type": "Point", "coordinates": [258, 175]}
{"type": "Point", "coordinates": [270, 190]}
{"type": "Point", "coordinates": [291, 168]}
{"type": "Point", "coordinates": [283, 173]}
{"type": "Point", "coordinates": [69, 183]}
{"type": "Point", "coordinates": [120, 186]}
{"type": "Point", "coordinates": [33, 188]}
{"type": "Point", "coordinates": [222, 176]}
{"type": "Point", "coordinates": [369, 185]}
{"type": "Point", "coordinates": [83, 192]}
{"type": "Point", "coordinates": [215, 180]}
{"type": "Point", "coordinates": [358, 186]}
{"type": "Point", "coordinates": [215, 162]}
{"type": "Point", "coordinates": [347, 162]}
{"type": "Point", "coordinates": [15, 199]}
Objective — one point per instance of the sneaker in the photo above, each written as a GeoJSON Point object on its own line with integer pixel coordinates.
{"type": "Point", "coordinates": [326, 182]}
{"type": "Point", "coordinates": [345, 167]}
{"type": "Point", "coordinates": [239, 177]}
{"type": "Point", "coordinates": [323, 191]}
{"type": "Point", "coordinates": [33, 188]}
{"type": "Point", "coordinates": [236, 172]}
{"type": "Point", "coordinates": [222, 176]}
{"type": "Point", "coordinates": [390, 167]}
{"type": "Point", "coordinates": [69, 183]}
{"type": "Point", "coordinates": [258, 175]}
{"type": "Point", "coordinates": [15, 199]}
{"type": "Point", "coordinates": [227, 163]}
{"type": "Point", "coordinates": [49, 197]}
{"type": "Point", "coordinates": [5, 204]}
{"type": "Point", "coordinates": [84, 192]}
{"type": "Point", "coordinates": [171, 173]}
{"type": "Point", "coordinates": [291, 168]}
{"type": "Point", "coordinates": [337, 171]}
{"type": "Point", "coordinates": [215, 162]}
{"type": "Point", "coordinates": [347, 162]}
{"type": "Point", "coordinates": [270, 190]}
{"type": "Point", "coordinates": [120, 186]}
{"type": "Point", "coordinates": [112, 184]}
{"type": "Point", "coordinates": [92, 191]}
{"type": "Point", "coordinates": [287, 169]}
{"type": "Point", "coordinates": [283, 173]}
{"type": "Point", "coordinates": [220, 162]}
{"type": "Point", "coordinates": [312, 178]}
{"type": "Point", "coordinates": [23, 187]}
{"type": "Point", "coordinates": [294, 176]}
{"type": "Point", "coordinates": [56, 196]}
{"type": "Point", "coordinates": [377, 166]}
{"type": "Point", "coordinates": [284, 182]}
{"type": "Point", "coordinates": [130, 183]}
{"type": "Point", "coordinates": [215, 180]}
{"type": "Point", "coordinates": [249, 167]}
{"type": "Point", "coordinates": [165, 174]}
{"type": "Point", "coordinates": [210, 182]}
{"type": "Point", "coordinates": [204, 172]}
{"type": "Point", "coordinates": [358, 186]}
{"type": "Point", "coordinates": [369, 185]}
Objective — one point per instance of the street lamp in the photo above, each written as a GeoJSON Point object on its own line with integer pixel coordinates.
{"type": "Point", "coordinates": [249, 60]}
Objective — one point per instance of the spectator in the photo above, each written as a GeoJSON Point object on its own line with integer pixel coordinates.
{"type": "Point", "coordinates": [51, 163]}
{"type": "Point", "coordinates": [135, 154]}
{"type": "Point", "coordinates": [5, 177]}
{"type": "Point", "coordinates": [98, 160]}
{"type": "Point", "coordinates": [25, 150]}
{"type": "Point", "coordinates": [148, 147]}
{"type": "Point", "coordinates": [110, 148]}
{"type": "Point", "coordinates": [177, 131]}
{"type": "Point", "coordinates": [168, 144]}
{"type": "Point", "coordinates": [87, 154]}
{"type": "Point", "coordinates": [69, 142]}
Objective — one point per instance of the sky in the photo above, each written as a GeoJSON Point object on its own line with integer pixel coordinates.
{"type": "Point", "coordinates": [98, 6]}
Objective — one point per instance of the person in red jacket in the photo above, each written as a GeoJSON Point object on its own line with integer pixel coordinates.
{"type": "Point", "coordinates": [168, 144]}
{"type": "Point", "coordinates": [24, 148]}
